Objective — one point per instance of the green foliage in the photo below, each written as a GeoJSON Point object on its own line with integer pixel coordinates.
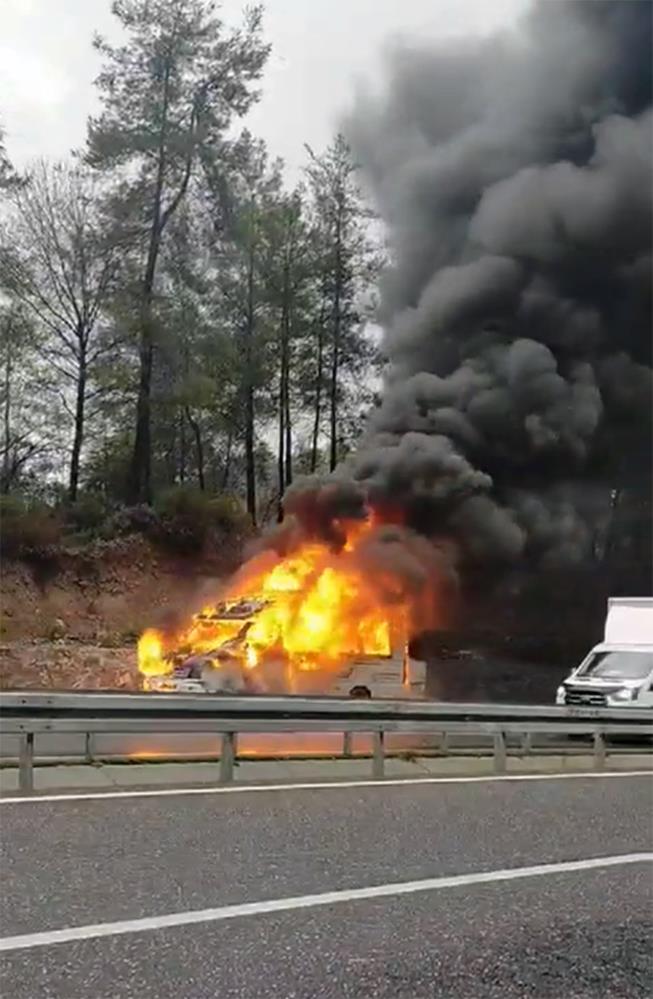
{"type": "Point", "coordinates": [348, 263]}
{"type": "Point", "coordinates": [178, 72]}
{"type": "Point", "coordinates": [183, 520]}
{"type": "Point", "coordinates": [60, 273]}
{"type": "Point", "coordinates": [140, 519]}
{"type": "Point", "coordinates": [106, 465]}
{"type": "Point", "coordinates": [179, 319]}
{"type": "Point", "coordinates": [87, 514]}
{"type": "Point", "coordinates": [168, 95]}
{"type": "Point", "coordinates": [27, 528]}
{"type": "Point", "coordinates": [189, 520]}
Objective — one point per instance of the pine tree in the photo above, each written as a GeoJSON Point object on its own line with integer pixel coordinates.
{"type": "Point", "coordinates": [168, 95]}
{"type": "Point", "coordinates": [288, 277]}
{"type": "Point", "coordinates": [245, 197]}
{"type": "Point", "coordinates": [347, 266]}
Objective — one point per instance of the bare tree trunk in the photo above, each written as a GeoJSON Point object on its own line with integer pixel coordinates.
{"type": "Point", "coordinates": [6, 456]}
{"type": "Point", "coordinates": [281, 471]}
{"type": "Point", "coordinates": [250, 461]}
{"type": "Point", "coordinates": [199, 447]}
{"type": "Point", "coordinates": [184, 414]}
{"type": "Point", "coordinates": [139, 479]}
{"type": "Point", "coordinates": [333, 410]}
{"type": "Point", "coordinates": [319, 377]}
{"type": "Point", "coordinates": [288, 426]}
{"type": "Point", "coordinates": [285, 428]}
{"type": "Point", "coordinates": [288, 293]}
{"type": "Point", "coordinates": [182, 446]}
{"type": "Point", "coordinates": [80, 413]}
{"type": "Point", "coordinates": [335, 357]}
{"type": "Point", "coordinates": [139, 482]}
{"type": "Point", "coordinates": [227, 461]}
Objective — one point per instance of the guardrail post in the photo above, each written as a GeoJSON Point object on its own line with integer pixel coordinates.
{"type": "Point", "coordinates": [526, 743]}
{"type": "Point", "coordinates": [88, 747]}
{"type": "Point", "coordinates": [346, 744]}
{"type": "Point", "coordinates": [378, 762]}
{"type": "Point", "coordinates": [227, 758]}
{"type": "Point", "coordinates": [499, 752]}
{"type": "Point", "coordinates": [599, 751]}
{"type": "Point", "coordinates": [26, 762]}
{"type": "Point", "coordinates": [443, 744]}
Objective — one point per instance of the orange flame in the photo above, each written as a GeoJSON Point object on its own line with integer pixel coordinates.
{"type": "Point", "coordinates": [315, 610]}
{"type": "Point", "coordinates": [150, 653]}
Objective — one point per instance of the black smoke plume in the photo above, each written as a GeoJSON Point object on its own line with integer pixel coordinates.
{"type": "Point", "coordinates": [513, 175]}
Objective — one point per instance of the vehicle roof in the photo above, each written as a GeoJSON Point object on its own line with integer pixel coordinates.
{"type": "Point", "coordinates": [623, 647]}
{"type": "Point", "coordinates": [630, 601]}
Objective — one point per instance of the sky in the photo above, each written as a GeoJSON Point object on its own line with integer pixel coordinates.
{"type": "Point", "coordinates": [322, 50]}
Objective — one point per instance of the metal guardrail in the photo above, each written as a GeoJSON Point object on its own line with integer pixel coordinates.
{"type": "Point", "coordinates": [28, 714]}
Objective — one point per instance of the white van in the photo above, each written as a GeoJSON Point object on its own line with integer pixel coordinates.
{"type": "Point", "coordinates": [218, 672]}
{"type": "Point", "coordinates": [223, 669]}
{"type": "Point", "coordinates": [619, 671]}
{"type": "Point", "coordinates": [392, 677]}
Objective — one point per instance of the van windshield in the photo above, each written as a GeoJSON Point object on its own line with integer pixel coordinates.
{"type": "Point", "coordinates": [625, 665]}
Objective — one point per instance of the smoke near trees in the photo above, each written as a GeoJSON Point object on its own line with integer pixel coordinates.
{"type": "Point", "coordinates": [197, 323]}
{"type": "Point", "coordinates": [514, 178]}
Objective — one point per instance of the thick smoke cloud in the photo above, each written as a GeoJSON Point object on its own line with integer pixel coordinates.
{"type": "Point", "coordinates": [514, 178]}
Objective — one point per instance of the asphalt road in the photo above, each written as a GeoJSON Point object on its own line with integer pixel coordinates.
{"type": "Point", "coordinates": [553, 933]}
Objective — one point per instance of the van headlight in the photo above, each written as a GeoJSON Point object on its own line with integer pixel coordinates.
{"type": "Point", "coordinates": [624, 694]}
{"type": "Point", "coordinates": [560, 695]}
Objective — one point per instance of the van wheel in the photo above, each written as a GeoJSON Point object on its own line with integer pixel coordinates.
{"type": "Point", "coordinates": [360, 690]}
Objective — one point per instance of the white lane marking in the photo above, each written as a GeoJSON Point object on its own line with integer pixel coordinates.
{"type": "Point", "coordinates": [314, 786]}
{"type": "Point", "coordinates": [149, 923]}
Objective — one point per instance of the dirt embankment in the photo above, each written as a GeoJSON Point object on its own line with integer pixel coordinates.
{"type": "Point", "coordinates": [72, 619]}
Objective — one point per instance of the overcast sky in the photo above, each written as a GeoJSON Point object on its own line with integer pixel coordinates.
{"type": "Point", "coordinates": [47, 64]}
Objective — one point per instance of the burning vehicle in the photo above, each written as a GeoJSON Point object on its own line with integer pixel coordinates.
{"type": "Point", "coordinates": [215, 670]}
{"type": "Point", "coordinates": [315, 620]}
